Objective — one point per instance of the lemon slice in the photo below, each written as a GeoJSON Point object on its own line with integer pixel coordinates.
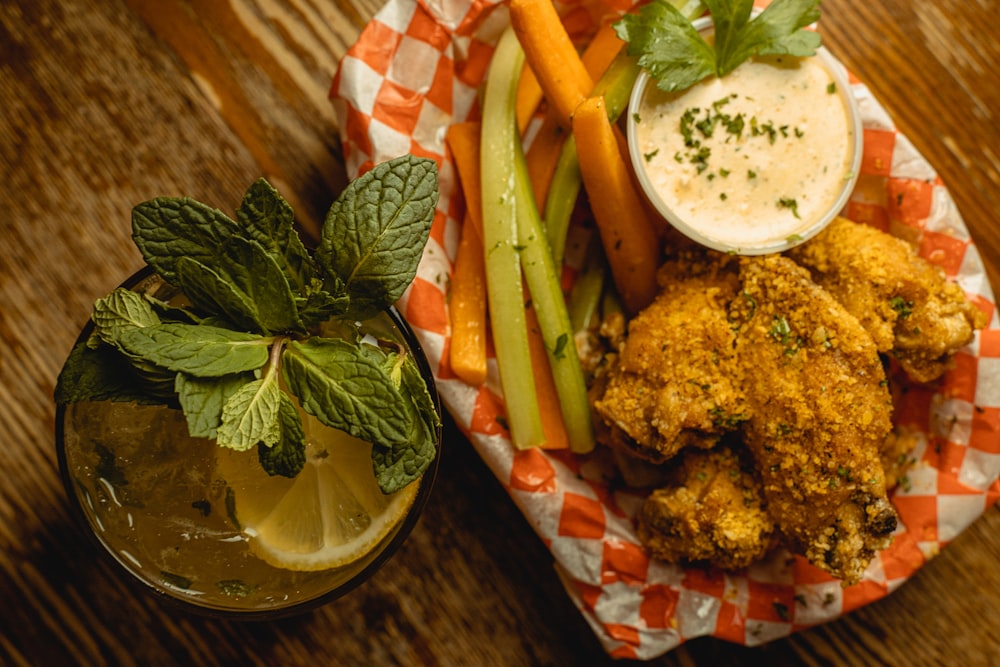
{"type": "Point", "coordinates": [328, 516]}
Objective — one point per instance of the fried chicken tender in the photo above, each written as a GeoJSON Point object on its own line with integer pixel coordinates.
{"type": "Point", "coordinates": [820, 410]}
{"type": "Point", "coordinates": [712, 511]}
{"type": "Point", "coordinates": [752, 352]}
{"type": "Point", "coordinates": [674, 382]}
{"type": "Point", "coordinates": [904, 302]}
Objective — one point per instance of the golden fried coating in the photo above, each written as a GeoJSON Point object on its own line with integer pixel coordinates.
{"type": "Point", "coordinates": [904, 302]}
{"type": "Point", "coordinates": [896, 454]}
{"type": "Point", "coordinates": [673, 382]}
{"type": "Point", "coordinates": [820, 409]}
{"type": "Point", "coordinates": [753, 351]}
{"type": "Point", "coordinates": [712, 512]}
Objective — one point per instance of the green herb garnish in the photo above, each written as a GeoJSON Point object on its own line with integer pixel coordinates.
{"type": "Point", "coordinates": [791, 204]}
{"type": "Point", "coordinates": [677, 56]}
{"type": "Point", "coordinates": [256, 338]}
{"type": "Point", "coordinates": [903, 307]}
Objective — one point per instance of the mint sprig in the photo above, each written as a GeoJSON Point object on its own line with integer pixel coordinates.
{"type": "Point", "coordinates": [374, 233]}
{"type": "Point", "coordinates": [248, 349]}
{"type": "Point", "coordinates": [666, 44]}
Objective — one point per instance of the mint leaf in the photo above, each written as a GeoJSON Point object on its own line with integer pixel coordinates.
{"type": "Point", "coordinates": [120, 311]}
{"type": "Point", "coordinates": [99, 374]}
{"type": "Point", "coordinates": [666, 44]}
{"type": "Point", "coordinates": [172, 313]}
{"type": "Point", "coordinates": [423, 402]}
{"type": "Point", "coordinates": [287, 456]}
{"type": "Point", "coordinates": [199, 350]}
{"type": "Point", "coordinates": [117, 314]}
{"type": "Point", "coordinates": [256, 273]}
{"type": "Point", "coordinates": [168, 228]}
{"type": "Point", "coordinates": [211, 292]}
{"type": "Point", "coordinates": [268, 219]}
{"type": "Point", "coordinates": [246, 285]}
{"type": "Point", "coordinates": [375, 232]}
{"type": "Point", "coordinates": [319, 305]}
{"type": "Point", "coordinates": [251, 415]}
{"type": "Point", "coordinates": [202, 399]}
{"type": "Point", "coordinates": [404, 462]}
{"type": "Point", "coordinates": [346, 389]}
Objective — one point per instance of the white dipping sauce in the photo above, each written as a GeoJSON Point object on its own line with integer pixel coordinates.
{"type": "Point", "coordinates": [750, 160]}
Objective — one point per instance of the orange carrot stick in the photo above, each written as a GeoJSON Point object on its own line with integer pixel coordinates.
{"type": "Point", "coordinates": [545, 387]}
{"type": "Point", "coordinates": [463, 140]}
{"type": "Point", "coordinates": [551, 55]}
{"type": "Point", "coordinates": [543, 154]}
{"type": "Point", "coordinates": [467, 308]}
{"type": "Point", "coordinates": [630, 242]}
{"type": "Point", "coordinates": [601, 50]}
{"type": "Point", "coordinates": [467, 301]}
{"type": "Point", "coordinates": [529, 96]}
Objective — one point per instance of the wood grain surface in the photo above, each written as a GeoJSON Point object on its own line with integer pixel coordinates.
{"type": "Point", "coordinates": [105, 103]}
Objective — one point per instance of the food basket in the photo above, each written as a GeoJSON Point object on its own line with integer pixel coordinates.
{"type": "Point", "coordinates": [415, 69]}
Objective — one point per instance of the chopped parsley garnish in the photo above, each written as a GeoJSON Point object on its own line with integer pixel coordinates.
{"type": "Point", "coordinates": [789, 203]}
{"type": "Point", "coordinates": [902, 307]}
{"type": "Point", "coordinates": [698, 125]}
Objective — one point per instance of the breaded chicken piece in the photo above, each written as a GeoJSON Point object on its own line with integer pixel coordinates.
{"type": "Point", "coordinates": [904, 302]}
{"type": "Point", "coordinates": [896, 455]}
{"type": "Point", "coordinates": [712, 512]}
{"type": "Point", "coordinates": [820, 412]}
{"type": "Point", "coordinates": [674, 381]}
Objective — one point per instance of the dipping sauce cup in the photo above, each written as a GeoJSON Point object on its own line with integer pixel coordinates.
{"type": "Point", "coordinates": [755, 162]}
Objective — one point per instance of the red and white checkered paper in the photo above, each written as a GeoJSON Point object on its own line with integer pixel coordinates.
{"type": "Point", "coordinates": [416, 69]}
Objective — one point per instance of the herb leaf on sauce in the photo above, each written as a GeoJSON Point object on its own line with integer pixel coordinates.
{"type": "Point", "coordinates": [677, 56]}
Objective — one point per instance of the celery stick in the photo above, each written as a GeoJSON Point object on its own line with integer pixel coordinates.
{"type": "Point", "coordinates": [553, 317]}
{"type": "Point", "coordinates": [500, 242]}
{"type": "Point", "coordinates": [584, 303]}
{"type": "Point", "coordinates": [563, 192]}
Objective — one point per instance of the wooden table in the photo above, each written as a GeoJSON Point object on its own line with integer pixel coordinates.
{"type": "Point", "coordinates": [106, 103]}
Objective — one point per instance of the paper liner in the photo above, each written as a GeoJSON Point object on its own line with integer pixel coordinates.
{"type": "Point", "coordinates": [415, 70]}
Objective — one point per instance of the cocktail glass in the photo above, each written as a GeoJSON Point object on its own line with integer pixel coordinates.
{"type": "Point", "coordinates": [166, 507]}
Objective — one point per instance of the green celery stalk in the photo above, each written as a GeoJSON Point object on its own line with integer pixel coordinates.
{"type": "Point", "coordinates": [545, 285]}
{"type": "Point", "coordinates": [501, 245]}
{"type": "Point", "coordinates": [585, 298]}
{"type": "Point", "coordinates": [564, 188]}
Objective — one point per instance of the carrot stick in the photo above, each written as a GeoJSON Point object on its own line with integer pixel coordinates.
{"type": "Point", "coordinates": [596, 58]}
{"type": "Point", "coordinates": [542, 155]}
{"type": "Point", "coordinates": [529, 96]}
{"type": "Point", "coordinates": [467, 300]}
{"type": "Point", "coordinates": [551, 55]}
{"type": "Point", "coordinates": [601, 51]}
{"type": "Point", "coordinates": [549, 406]}
{"type": "Point", "coordinates": [463, 140]}
{"type": "Point", "coordinates": [467, 308]}
{"type": "Point", "coordinates": [629, 237]}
